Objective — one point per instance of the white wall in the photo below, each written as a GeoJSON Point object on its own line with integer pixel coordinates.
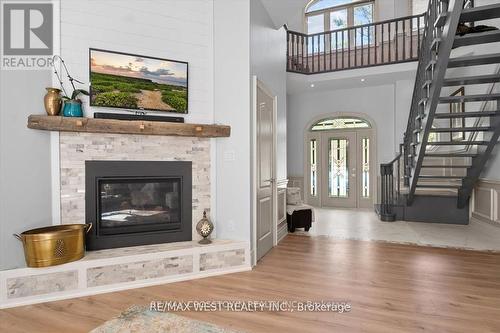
{"type": "Point", "coordinates": [402, 103]}
{"type": "Point", "coordinates": [492, 169]}
{"type": "Point", "coordinates": [268, 63]}
{"type": "Point", "coordinates": [25, 197]}
{"type": "Point", "coordinates": [388, 106]}
{"type": "Point", "coordinates": [173, 29]}
{"type": "Point", "coordinates": [419, 6]}
{"type": "Point", "coordinates": [232, 107]}
{"type": "Point", "coordinates": [389, 9]}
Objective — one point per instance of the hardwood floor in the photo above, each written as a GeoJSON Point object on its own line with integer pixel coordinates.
{"type": "Point", "coordinates": [392, 288]}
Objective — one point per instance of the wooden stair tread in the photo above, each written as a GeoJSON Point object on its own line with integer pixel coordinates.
{"type": "Point", "coordinates": [484, 59]}
{"type": "Point", "coordinates": [450, 155]}
{"type": "Point", "coordinates": [477, 38]}
{"type": "Point", "coordinates": [440, 177]}
{"type": "Point", "coordinates": [480, 13]}
{"type": "Point", "coordinates": [457, 143]}
{"type": "Point", "coordinates": [461, 129]}
{"type": "Point", "coordinates": [468, 114]}
{"type": "Point", "coordinates": [477, 79]}
{"type": "Point", "coordinates": [438, 186]}
{"type": "Point", "coordinates": [469, 98]}
{"type": "Point", "coordinates": [457, 166]}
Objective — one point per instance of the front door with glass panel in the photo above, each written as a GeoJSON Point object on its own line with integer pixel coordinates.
{"type": "Point", "coordinates": [338, 179]}
{"type": "Point", "coordinates": [339, 164]}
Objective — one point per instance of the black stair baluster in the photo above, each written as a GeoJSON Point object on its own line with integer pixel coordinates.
{"type": "Point", "coordinates": [337, 61]}
{"type": "Point", "coordinates": [312, 55]}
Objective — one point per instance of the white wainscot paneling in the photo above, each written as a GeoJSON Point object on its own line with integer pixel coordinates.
{"type": "Point", "coordinates": [485, 204]}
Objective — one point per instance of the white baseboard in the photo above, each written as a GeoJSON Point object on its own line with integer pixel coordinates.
{"type": "Point", "coordinates": [282, 232]}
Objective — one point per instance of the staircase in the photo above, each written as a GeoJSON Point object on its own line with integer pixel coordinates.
{"type": "Point", "coordinates": [433, 176]}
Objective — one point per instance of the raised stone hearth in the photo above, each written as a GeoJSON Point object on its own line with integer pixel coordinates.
{"type": "Point", "coordinates": [123, 268]}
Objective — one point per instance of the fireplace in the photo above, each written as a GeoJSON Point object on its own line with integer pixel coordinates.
{"type": "Point", "coordinates": [133, 203]}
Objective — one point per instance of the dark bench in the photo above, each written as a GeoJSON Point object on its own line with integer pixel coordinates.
{"type": "Point", "coordinates": [299, 219]}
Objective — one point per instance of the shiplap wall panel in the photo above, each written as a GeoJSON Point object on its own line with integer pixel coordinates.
{"type": "Point", "coordinates": [173, 29]}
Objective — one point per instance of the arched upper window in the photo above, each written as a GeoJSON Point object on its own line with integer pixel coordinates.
{"type": "Point", "coordinates": [326, 15]}
{"type": "Point", "coordinates": [340, 123]}
{"type": "Point", "coordinates": [323, 4]}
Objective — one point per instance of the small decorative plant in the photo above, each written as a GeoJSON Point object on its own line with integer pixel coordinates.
{"type": "Point", "coordinates": [72, 105]}
{"type": "Point", "coordinates": [75, 94]}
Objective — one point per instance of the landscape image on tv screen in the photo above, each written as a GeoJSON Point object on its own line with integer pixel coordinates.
{"type": "Point", "coordinates": [119, 80]}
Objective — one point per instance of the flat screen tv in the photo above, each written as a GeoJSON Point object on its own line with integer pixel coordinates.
{"type": "Point", "coordinates": [135, 82]}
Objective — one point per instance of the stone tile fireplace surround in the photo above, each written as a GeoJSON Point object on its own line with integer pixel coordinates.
{"type": "Point", "coordinates": [125, 268]}
{"type": "Point", "coordinates": [76, 148]}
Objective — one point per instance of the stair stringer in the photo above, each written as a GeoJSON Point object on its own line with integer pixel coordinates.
{"type": "Point", "coordinates": [443, 55]}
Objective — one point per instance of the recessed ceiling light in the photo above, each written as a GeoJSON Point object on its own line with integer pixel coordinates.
{"type": "Point", "coordinates": [312, 85]}
{"type": "Point", "coordinates": [362, 80]}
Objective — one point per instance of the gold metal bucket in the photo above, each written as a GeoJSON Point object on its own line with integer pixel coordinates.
{"type": "Point", "coordinates": [54, 245]}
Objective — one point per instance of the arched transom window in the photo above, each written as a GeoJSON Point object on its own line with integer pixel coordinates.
{"type": "Point", "coordinates": [326, 15]}
{"type": "Point", "coordinates": [340, 123]}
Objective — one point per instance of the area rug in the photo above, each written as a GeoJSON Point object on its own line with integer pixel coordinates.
{"type": "Point", "coordinates": [141, 319]}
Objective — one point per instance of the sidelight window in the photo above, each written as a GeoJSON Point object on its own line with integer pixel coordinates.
{"type": "Point", "coordinates": [313, 162]}
{"type": "Point", "coordinates": [365, 151]}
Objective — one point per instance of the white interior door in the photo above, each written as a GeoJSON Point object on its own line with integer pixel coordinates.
{"type": "Point", "coordinates": [266, 179]}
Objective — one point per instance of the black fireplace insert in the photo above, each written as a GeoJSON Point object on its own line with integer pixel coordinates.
{"type": "Point", "coordinates": [133, 203]}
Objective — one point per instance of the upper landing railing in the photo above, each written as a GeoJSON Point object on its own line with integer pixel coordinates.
{"type": "Point", "coordinates": [380, 43]}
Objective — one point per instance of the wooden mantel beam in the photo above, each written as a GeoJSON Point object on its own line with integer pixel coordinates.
{"type": "Point", "coordinates": [94, 125]}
